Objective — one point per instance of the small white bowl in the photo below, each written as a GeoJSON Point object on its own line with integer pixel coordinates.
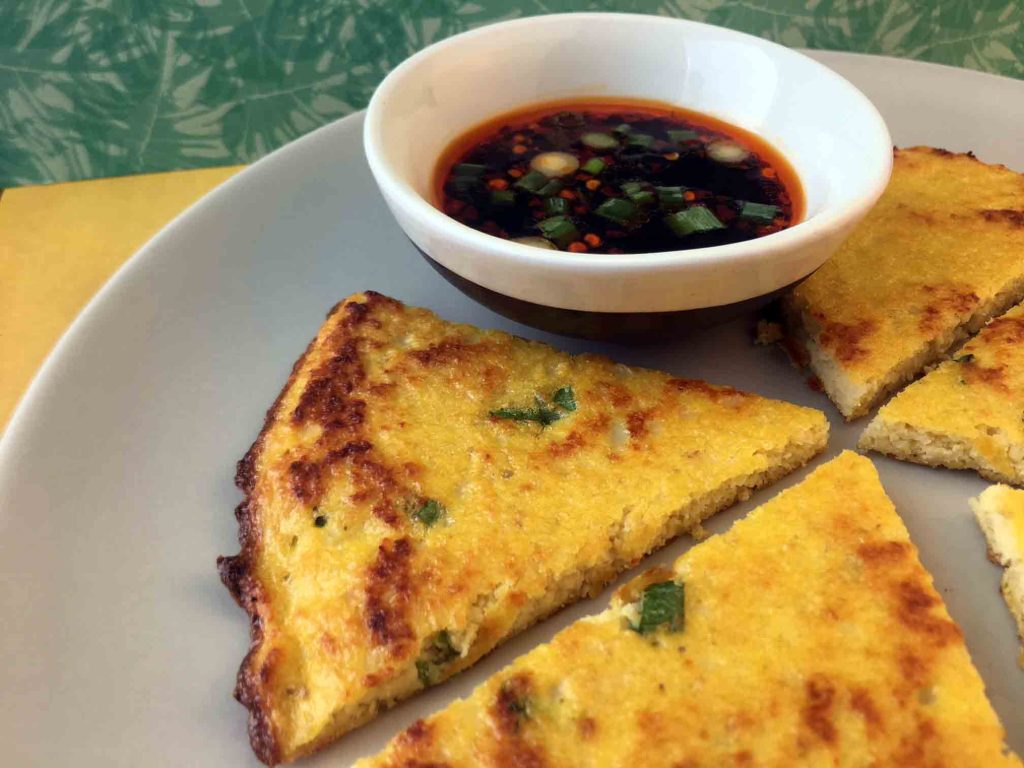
{"type": "Point", "coordinates": [832, 135]}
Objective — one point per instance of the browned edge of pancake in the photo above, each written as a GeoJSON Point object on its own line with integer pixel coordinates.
{"type": "Point", "coordinates": [238, 571]}
{"type": "Point", "coordinates": [796, 334]}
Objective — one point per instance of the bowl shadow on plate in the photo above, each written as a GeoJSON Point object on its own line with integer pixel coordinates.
{"type": "Point", "coordinates": [647, 328]}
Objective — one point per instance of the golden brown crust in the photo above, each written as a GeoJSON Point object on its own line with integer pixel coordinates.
{"type": "Point", "coordinates": [238, 574]}
{"type": "Point", "coordinates": [936, 257]}
{"type": "Point", "coordinates": [512, 747]}
{"type": "Point", "coordinates": [845, 340]}
{"type": "Point", "coordinates": [325, 400]}
{"type": "Point", "coordinates": [389, 591]}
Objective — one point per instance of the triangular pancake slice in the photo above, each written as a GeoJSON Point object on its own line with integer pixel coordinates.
{"type": "Point", "coordinates": [1000, 513]}
{"type": "Point", "coordinates": [968, 413]}
{"type": "Point", "coordinates": [940, 254]}
{"type": "Point", "coordinates": [423, 490]}
{"type": "Point", "coordinates": [808, 635]}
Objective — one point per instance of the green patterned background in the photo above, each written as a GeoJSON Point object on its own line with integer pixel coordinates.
{"type": "Point", "coordinates": [92, 88]}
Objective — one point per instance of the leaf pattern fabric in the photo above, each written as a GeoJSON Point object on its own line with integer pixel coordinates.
{"type": "Point", "coordinates": [94, 88]}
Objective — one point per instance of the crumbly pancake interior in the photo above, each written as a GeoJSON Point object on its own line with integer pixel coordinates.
{"type": "Point", "coordinates": [999, 511]}
{"type": "Point", "coordinates": [968, 413]}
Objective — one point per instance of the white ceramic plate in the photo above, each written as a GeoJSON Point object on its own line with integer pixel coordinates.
{"type": "Point", "coordinates": [119, 644]}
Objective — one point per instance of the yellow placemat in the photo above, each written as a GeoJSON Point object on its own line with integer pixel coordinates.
{"type": "Point", "coordinates": [60, 243]}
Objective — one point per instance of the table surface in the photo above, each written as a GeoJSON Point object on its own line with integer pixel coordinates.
{"type": "Point", "coordinates": [60, 243]}
{"type": "Point", "coordinates": [114, 87]}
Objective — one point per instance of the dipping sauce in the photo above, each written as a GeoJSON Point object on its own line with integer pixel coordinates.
{"type": "Point", "coordinates": [617, 176]}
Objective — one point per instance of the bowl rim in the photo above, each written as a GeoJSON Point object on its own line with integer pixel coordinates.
{"type": "Point", "coordinates": [831, 218]}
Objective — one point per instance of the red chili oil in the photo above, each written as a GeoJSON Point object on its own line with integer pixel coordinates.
{"type": "Point", "coordinates": [617, 176]}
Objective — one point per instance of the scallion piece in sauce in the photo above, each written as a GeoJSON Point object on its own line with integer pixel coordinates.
{"type": "Point", "coordinates": [553, 187]}
{"type": "Point", "coordinates": [643, 140]}
{"type": "Point", "coordinates": [727, 152]}
{"type": "Point", "coordinates": [503, 197]}
{"type": "Point", "coordinates": [593, 166]}
{"type": "Point", "coordinates": [623, 129]}
{"type": "Point", "coordinates": [759, 212]}
{"type": "Point", "coordinates": [465, 184]}
{"type": "Point", "coordinates": [556, 206]}
{"type": "Point", "coordinates": [671, 197]}
{"type": "Point", "coordinates": [472, 170]}
{"type": "Point", "coordinates": [616, 209]}
{"type": "Point", "coordinates": [559, 229]}
{"type": "Point", "coordinates": [680, 137]}
{"type": "Point", "coordinates": [693, 221]}
{"type": "Point", "coordinates": [532, 181]}
{"type": "Point", "coordinates": [637, 192]}
{"type": "Point", "coordinates": [553, 164]}
{"type": "Point", "coordinates": [599, 140]}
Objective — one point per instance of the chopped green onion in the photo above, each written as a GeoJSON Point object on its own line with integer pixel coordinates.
{"type": "Point", "coordinates": [727, 152]}
{"type": "Point", "coordinates": [515, 704]}
{"type": "Point", "coordinates": [502, 197]}
{"type": "Point", "coordinates": [661, 604]}
{"type": "Point", "coordinates": [593, 166]}
{"type": "Point", "coordinates": [759, 212]}
{"type": "Point", "coordinates": [968, 358]}
{"type": "Point", "coordinates": [671, 197]}
{"type": "Point", "coordinates": [556, 206]}
{"type": "Point", "coordinates": [693, 221]}
{"type": "Point", "coordinates": [637, 192]}
{"type": "Point", "coordinates": [536, 242]}
{"type": "Point", "coordinates": [430, 512]}
{"type": "Point", "coordinates": [553, 187]}
{"type": "Point", "coordinates": [532, 181]}
{"type": "Point", "coordinates": [559, 229]}
{"type": "Point", "coordinates": [553, 164]}
{"type": "Point", "coordinates": [564, 398]}
{"type": "Point", "coordinates": [437, 651]}
{"type": "Point", "coordinates": [616, 209]}
{"type": "Point", "coordinates": [623, 129]}
{"type": "Point", "coordinates": [599, 140]}
{"type": "Point", "coordinates": [643, 140]}
{"type": "Point", "coordinates": [681, 137]}
{"type": "Point", "coordinates": [541, 413]}
{"type": "Point", "coordinates": [473, 170]}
